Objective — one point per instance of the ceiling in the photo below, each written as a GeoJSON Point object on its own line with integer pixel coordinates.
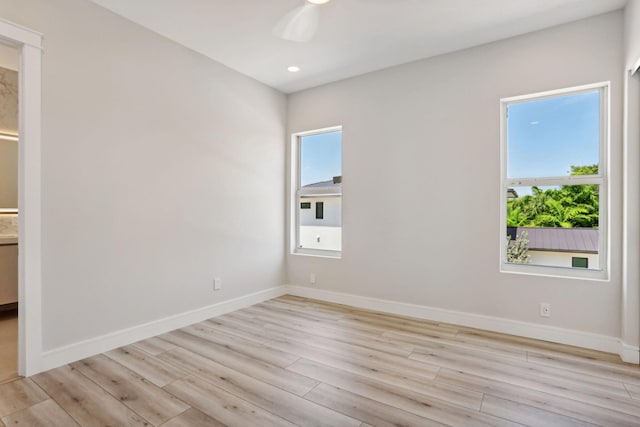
{"type": "Point", "coordinates": [354, 36]}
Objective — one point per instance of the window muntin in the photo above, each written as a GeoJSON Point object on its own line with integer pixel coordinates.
{"type": "Point", "coordinates": [317, 179]}
{"type": "Point", "coordinates": [554, 148]}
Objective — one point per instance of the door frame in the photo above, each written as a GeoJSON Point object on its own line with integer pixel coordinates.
{"type": "Point", "coordinates": [29, 45]}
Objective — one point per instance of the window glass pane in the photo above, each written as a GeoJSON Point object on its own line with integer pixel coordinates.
{"type": "Point", "coordinates": [578, 262]}
{"type": "Point", "coordinates": [320, 192]}
{"type": "Point", "coordinates": [551, 226]}
{"type": "Point", "coordinates": [546, 137]}
{"type": "Point", "coordinates": [320, 157]}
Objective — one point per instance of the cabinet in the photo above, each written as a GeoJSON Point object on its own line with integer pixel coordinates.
{"type": "Point", "coordinates": [8, 274]}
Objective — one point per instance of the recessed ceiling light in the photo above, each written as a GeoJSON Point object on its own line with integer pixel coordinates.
{"type": "Point", "coordinates": [318, 1]}
{"type": "Point", "coordinates": [293, 69]}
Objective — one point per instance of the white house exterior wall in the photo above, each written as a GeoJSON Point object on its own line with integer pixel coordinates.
{"type": "Point", "coordinates": [332, 212]}
{"type": "Point", "coordinates": [325, 233]}
{"type": "Point", "coordinates": [561, 259]}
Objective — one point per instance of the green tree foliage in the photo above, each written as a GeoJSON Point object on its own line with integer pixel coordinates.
{"type": "Point", "coordinates": [568, 206]}
{"type": "Point", "coordinates": [518, 251]}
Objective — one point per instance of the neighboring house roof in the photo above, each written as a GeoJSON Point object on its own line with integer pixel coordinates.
{"type": "Point", "coordinates": [323, 184]}
{"type": "Point", "coordinates": [323, 188]}
{"type": "Point", "coordinates": [583, 240]}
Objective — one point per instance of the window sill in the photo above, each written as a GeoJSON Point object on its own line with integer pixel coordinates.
{"type": "Point", "coordinates": [557, 272]}
{"type": "Point", "coordinates": [318, 253]}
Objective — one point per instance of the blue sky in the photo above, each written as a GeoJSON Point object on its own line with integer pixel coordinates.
{"type": "Point", "coordinates": [320, 157]}
{"type": "Point", "coordinates": [546, 137]}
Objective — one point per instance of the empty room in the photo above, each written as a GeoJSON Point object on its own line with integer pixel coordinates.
{"type": "Point", "coordinates": [319, 213]}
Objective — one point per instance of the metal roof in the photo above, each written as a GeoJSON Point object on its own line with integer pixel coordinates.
{"type": "Point", "coordinates": [324, 184]}
{"type": "Point", "coordinates": [584, 240]}
{"type": "Point", "coordinates": [323, 188]}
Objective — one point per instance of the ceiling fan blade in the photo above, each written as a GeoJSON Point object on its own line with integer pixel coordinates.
{"type": "Point", "coordinates": [299, 25]}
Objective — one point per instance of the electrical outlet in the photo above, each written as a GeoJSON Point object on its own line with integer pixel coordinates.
{"type": "Point", "coordinates": [217, 283]}
{"type": "Point", "coordinates": [312, 278]}
{"type": "Point", "coordinates": [545, 309]}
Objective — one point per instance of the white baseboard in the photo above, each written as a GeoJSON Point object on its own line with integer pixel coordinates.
{"type": "Point", "coordinates": [583, 339]}
{"type": "Point", "coordinates": [629, 353]}
{"type": "Point", "coordinates": [80, 350]}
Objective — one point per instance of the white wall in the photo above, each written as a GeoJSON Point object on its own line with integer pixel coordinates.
{"type": "Point", "coordinates": [434, 126]}
{"type": "Point", "coordinates": [160, 169]}
{"type": "Point", "coordinates": [632, 32]}
{"type": "Point", "coordinates": [631, 238]}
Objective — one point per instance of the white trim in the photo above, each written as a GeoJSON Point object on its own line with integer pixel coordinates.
{"type": "Point", "coordinates": [629, 353]}
{"type": "Point", "coordinates": [635, 67]}
{"type": "Point", "coordinates": [18, 35]}
{"type": "Point", "coordinates": [553, 181]}
{"type": "Point", "coordinates": [317, 131]}
{"type": "Point", "coordinates": [80, 350]}
{"type": "Point", "coordinates": [30, 215]}
{"type": "Point", "coordinates": [489, 323]}
{"type": "Point", "coordinates": [318, 253]}
{"type": "Point", "coordinates": [555, 92]}
{"type": "Point", "coordinates": [29, 45]}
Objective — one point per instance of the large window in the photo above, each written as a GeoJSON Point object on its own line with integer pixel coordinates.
{"type": "Point", "coordinates": [554, 182]}
{"type": "Point", "coordinates": [317, 181]}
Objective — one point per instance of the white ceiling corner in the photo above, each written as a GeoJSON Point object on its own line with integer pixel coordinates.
{"type": "Point", "coordinates": [354, 36]}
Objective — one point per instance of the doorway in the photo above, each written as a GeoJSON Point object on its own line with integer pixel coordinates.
{"type": "Point", "coordinates": [28, 44]}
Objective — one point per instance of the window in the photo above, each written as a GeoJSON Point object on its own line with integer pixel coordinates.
{"type": "Point", "coordinates": [579, 262]}
{"type": "Point", "coordinates": [317, 180]}
{"type": "Point", "coordinates": [554, 182]}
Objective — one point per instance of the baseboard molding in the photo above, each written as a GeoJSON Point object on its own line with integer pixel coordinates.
{"type": "Point", "coordinates": [576, 338]}
{"type": "Point", "coordinates": [629, 353]}
{"type": "Point", "coordinates": [80, 350]}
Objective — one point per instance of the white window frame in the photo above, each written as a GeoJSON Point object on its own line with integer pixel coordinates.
{"type": "Point", "coordinates": [602, 179]}
{"type": "Point", "coordinates": [296, 139]}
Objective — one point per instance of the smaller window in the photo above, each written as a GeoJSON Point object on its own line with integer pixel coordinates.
{"type": "Point", "coordinates": [316, 179]}
{"type": "Point", "coordinates": [579, 262]}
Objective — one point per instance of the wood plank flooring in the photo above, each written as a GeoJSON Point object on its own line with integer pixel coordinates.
{"type": "Point", "coordinates": [8, 345]}
{"type": "Point", "coordinates": [293, 361]}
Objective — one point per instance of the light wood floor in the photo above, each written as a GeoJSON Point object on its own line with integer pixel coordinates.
{"type": "Point", "coordinates": [293, 361]}
{"type": "Point", "coordinates": [8, 345]}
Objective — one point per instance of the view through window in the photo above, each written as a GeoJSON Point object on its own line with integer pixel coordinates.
{"type": "Point", "coordinates": [319, 191]}
{"type": "Point", "coordinates": [553, 179]}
